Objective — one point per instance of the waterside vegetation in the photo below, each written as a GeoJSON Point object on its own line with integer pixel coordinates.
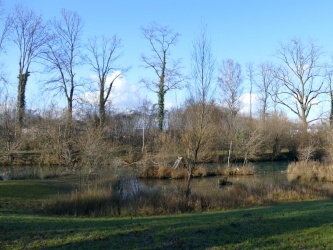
{"type": "Point", "coordinates": [290, 224]}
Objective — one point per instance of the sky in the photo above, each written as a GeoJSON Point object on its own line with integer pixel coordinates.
{"type": "Point", "coordinates": [245, 31]}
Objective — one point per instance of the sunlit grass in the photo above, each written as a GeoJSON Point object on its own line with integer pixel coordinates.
{"type": "Point", "coordinates": [289, 226]}
{"type": "Point", "coordinates": [293, 225]}
{"type": "Point", "coordinates": [29, 195]}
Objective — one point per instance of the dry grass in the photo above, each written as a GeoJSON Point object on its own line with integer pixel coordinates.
{"type": "Point", "coordinates": [309, 171]}
{"type": "Point", "coordinates": [127, 196]}
{"type": "Point", "coordinates": [166, 172]}
{"type": "Point", "coordinates": [31, 172]}
{"type": "Point", "coordinates": [264, 193]}
{"type": "Point", "coordinates": [163, 172]}
{"type": "Point", "coordinates": [179, 173]}
{"type": "Point", "coordinates": [233, 170]}
{"type": "Point", "coordinates": [200, 171]}
{"type": "Point", "coordinates": [89, 202]}
{"type": "Point", "coordinates": [204, 171]}
{"type": "Point", "coordinates": [148, 172]}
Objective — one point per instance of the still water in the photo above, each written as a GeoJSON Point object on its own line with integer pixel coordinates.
{"type": "Point", "coordinates": [267, 172]}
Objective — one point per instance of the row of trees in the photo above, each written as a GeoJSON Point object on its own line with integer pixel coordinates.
{"type": "Point", "coordinates": [58, 46]}
{"type": "Point", "coordinates": [204, 124]}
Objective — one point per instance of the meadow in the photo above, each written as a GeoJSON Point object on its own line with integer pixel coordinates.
{"type": "Point", "coordinates": [301, 225]}
{"type": "Point", "coordinates": [274, 223]}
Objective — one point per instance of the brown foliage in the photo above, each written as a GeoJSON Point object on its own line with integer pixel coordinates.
{"type": "Point", "coordinates": [309, 171]}
{"type": "Point", "coordinates": [229, 171]}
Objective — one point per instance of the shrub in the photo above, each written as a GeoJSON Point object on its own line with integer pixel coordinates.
{"type": "Point", "coordinates": [234, 170]}
{"type": "Point", "coordinates": [309, 171]}
{"type": "Point", "coordinates": [204, 171]}
{"type": "Point", "coordinates": [200, 171]}
{"type": "Point", "coordinates": [148, 172]}
{"type": "Point", "coordinates": [164, 172]}
{"type": "Point", "coordinates": [179, 173]}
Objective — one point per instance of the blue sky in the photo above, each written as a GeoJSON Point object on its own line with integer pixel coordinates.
{"type": "Point", "coordinates": [245, 31]}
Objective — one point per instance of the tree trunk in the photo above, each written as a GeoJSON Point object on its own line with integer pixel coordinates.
{"type": "Point", "coordinates": [143, 131]}
{"type": "Point", "coordinates": [229, 154]}
{"type": "Point", "coordinates": [188, 183]}
{"type": "Point", "coordinates": [161, 106]}
{"type": "Point", "coordinates": [68, 132]}
{"type": "Point", "coordinates": [23, 79]}
{"type": "Point", "coordinates": [276, 147]}
{"type": "Point", "coordinates": [102, 114]}
{"type": "Point", "coordinates": [161, 93]}
{"type": "Point", "coordinates": [331, 113]}
{"type": "Point", "coordinates": [245, 160]}
{"type": "Point", "coordinates": [69, 109]}
{"type": "Point", "coordinates": [102, 103]}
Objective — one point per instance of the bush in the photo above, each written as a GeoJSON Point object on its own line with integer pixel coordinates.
{"type": "Point", "coordinates": [179, 173]}
{"type": "Point", "coordinates": [164, 172]}
{"type": "Point", "coordinates": [234, 170]}
{"type": "Point", "coordinates": [309, 171]}
{"type": "Point", "coordinates": [148, 172]}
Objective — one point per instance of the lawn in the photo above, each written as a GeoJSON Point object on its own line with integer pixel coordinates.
{"type": "Point", "coordinates": [300, 225]}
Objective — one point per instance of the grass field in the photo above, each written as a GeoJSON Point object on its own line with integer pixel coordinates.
{"type": "Point", "coordinates": [300, 225]}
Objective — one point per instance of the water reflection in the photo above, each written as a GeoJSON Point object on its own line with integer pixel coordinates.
{"type": "Point", "coordinates": [267, 172]}
{"type": "Point", "coordinates": [270, 167]}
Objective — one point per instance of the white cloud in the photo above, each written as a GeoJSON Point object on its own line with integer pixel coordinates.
{"type": "Point", "coordinates": [90, 97]}
{"type": "Point", "coordinates": [123, 94]}
{"type": "Point", "coordinates": [246, 101]}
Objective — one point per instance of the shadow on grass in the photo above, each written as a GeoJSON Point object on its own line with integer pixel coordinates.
{"type": "Point", "coordinates": [280, 226]}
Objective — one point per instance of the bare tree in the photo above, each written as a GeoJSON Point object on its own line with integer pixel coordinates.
{"type": "Point", "coordinates": [5, 26]}
{"type": "Point", "coordinates": [198, 133]}
{"type": "Point", "coordinates": [148, 111]}
{"type": "Point", "coordinates": [251, 78]}
{"type": "Point", "coordinates": [265, 84]}
{"type": "Point", "coordinates": [230, 80]}
{"type": "Point", "coordinates": [4, 32]}
{"type": "Point", "coordinates": [96, 151]}
{"type": "Point", "coordinates": [63, 55]}
{"type": "Point", "coordinates": [104, 52]}
{"type": "Point", "coordinates": [7, 125]}
{"type": "Point", "coordinates": [329, 79]}
{"type": "Point", "coordinates": [203, 70]}
{"type": "Point", "coordinates": [169, 77]}
{"type": "Point", "coordinates": [300, 78]}
{"type": "Point", "coordinates": [29, 34]}
{"type": "Point", "coordinates": [248, 138]}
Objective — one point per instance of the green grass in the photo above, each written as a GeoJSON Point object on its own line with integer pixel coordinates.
{"type": "Point", "coordinates": [302, 225]}
{"type": "Point", "coordinates": [28, 195]}
{"type": "Point", "coordinates": [299, 225]}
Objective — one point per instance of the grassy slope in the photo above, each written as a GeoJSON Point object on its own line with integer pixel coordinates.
{"type": "Point", "coordinates": [302, 225]}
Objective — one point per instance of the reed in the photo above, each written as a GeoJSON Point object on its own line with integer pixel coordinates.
{"type": "Point", "coordinates": [236, 170]}
{"type": "Point", "coordinates": [126, 196]}
{"type": "Point", "coordinates": [309, 171]}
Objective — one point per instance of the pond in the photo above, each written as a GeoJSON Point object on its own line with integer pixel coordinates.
{"type": "Point", "coordinates": [267, 172]}
{"type": "Point", "coordinates": [264, 172]}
